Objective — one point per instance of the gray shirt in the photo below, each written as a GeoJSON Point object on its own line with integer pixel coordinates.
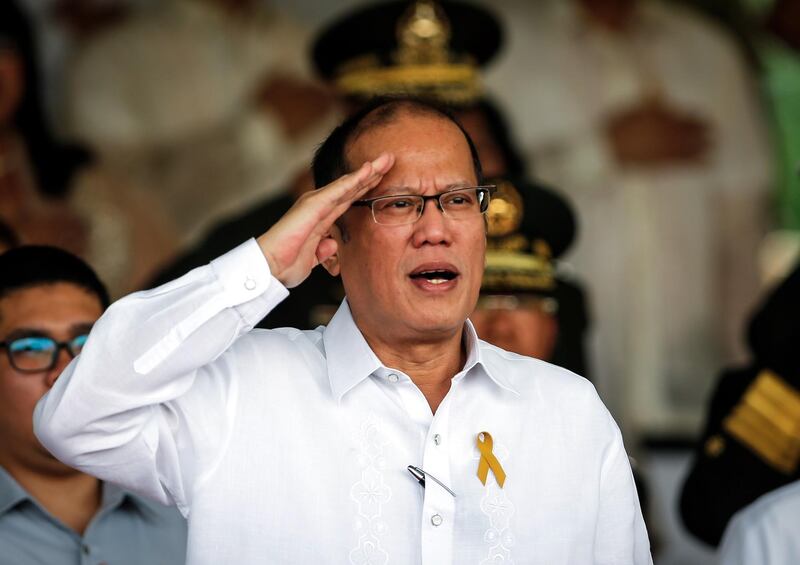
{"type": "Point", "coordinates": [127, 530]}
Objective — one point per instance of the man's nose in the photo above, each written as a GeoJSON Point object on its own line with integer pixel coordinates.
{"type": "Point", "coordinates": [432, 226]}
{"type": "Point", "coordinates": [62, 360]}
{"type": "Point", "coordinates": [432, 206]}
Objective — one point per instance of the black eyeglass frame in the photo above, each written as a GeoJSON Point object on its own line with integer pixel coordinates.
{"type": "Point", "coordinates": [53, 361]}
{"type": "Point", "coordinates": [488, 190]}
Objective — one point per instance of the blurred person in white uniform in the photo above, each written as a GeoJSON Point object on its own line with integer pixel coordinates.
{"type": "Point", "coordinates": [645, 115]}
{"type": "Point", "coordinates": [205, 106]}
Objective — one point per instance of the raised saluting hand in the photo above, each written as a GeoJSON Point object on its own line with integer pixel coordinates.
{"type": "Point", "coordinates": [301, 240]}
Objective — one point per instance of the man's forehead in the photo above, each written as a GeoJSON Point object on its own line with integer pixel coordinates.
{"type": "Point", "coordinates": [50, 305]}
{"type": "Point", "coordinates": [55, 327]}
{"type": "Point", "coordinates": [363, 139]}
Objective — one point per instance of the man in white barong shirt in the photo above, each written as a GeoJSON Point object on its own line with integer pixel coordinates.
{"type": "Point", "coordinates": [289, 446]}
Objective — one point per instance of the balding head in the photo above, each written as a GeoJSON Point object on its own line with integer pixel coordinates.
{"type": "Point", "coordinates": [331, 160]}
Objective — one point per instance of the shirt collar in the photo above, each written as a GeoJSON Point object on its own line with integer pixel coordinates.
{"type": "Point", "coordinates": [11, 493]}
{"type": "Point", "coordinates": [351, 360]}
{"type": "Point", "coordinates": [476, 357]}
{"type": "Point", "coordinates": [114, 496]}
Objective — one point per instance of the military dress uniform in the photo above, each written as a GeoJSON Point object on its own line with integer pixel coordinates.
{"type": "Point", "coordinates": [529, 227]}
{"type": "Point", "coordinates": [751, 442]}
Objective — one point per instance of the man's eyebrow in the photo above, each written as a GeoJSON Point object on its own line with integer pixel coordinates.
{"type": "Point", "coordinates": [401, 190]}
{"type": "Point", "coordinates": [74, 330]}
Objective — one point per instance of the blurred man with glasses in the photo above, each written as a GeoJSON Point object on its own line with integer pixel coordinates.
{"type": "Point", "coordinates": [289, 446]}
{"type": "Point", "coordinates": [51, 513]}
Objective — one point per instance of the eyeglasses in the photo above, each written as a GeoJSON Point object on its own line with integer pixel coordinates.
{"type": "Point", "coordinates": [458, 204]}
{"type": "Point", "coordinates": [35, 354]}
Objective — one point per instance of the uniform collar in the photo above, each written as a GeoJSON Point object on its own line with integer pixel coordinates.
{"type": "Point", "coordinates": [351, 360]}
{"type": "Point", "coordinates": [11, 493]}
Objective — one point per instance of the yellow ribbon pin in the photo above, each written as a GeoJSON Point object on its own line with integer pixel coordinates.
{"type": "Point", "coordinates": [484, 442]}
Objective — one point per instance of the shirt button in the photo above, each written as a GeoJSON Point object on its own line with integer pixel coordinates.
{"type": "Point", "coordinates": [85, 549]}
{"type": "Point", "coordinates": [437, 520]}
{"type": "Point", "coordinates": [437, 439]}
{"type": "Point", "coordinates": [249, 284]}
{"type": "Point", "coordinates": [393, 378]}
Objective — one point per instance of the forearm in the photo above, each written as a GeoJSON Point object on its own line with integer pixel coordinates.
{"type": "Point", "coordinates": [138, 405]}
{"type": "Point", "coordinates": [109, 411]}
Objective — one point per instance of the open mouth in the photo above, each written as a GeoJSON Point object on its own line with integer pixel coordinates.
{"type": "Point", "coordinates": [435, 276]}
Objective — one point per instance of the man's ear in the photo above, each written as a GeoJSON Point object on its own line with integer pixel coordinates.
{"type": "Point", "coordinates": [331, 264]}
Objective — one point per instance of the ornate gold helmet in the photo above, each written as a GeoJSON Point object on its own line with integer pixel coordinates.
{"type": "Point", "coordinates": [528, 227]}
{"type": "Point", "coordinates": [423, 48]}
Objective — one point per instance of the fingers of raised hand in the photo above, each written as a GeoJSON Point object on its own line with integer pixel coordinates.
{"type": "Point", "coordinates": [335, 198]}
{"type": "Point", "coordinates": [297, 236]}
{"type": "Point", "coordinates": [355, 184]}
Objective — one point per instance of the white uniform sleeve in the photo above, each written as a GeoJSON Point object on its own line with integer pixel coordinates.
{"type": "Point", "coordinates": [765, 532]}
{"type": "Point", "coordinates": [741, 545]}
{"type": "Point", "coordinates": [149, 401]}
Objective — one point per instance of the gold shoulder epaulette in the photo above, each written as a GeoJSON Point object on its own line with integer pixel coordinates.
{"type": "Point", "coordinates": [767, 421]}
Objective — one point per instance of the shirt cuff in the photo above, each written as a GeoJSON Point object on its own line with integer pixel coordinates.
{"type": "Point", "coordinates": [249, 285]}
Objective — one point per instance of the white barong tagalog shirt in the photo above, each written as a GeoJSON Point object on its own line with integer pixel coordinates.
{"type": "Point", "coordinates": [288, 446]}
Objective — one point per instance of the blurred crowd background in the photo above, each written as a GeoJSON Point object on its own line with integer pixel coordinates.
{"type": "Point", "coordinates": [647, 153]}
